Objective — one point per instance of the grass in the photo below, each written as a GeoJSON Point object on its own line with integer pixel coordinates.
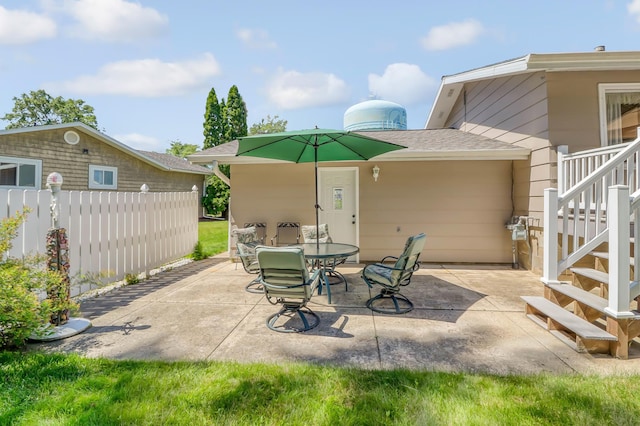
{"type": "Point", "coordinates": [59, 389]}
{"type": "Point", "coordinates": [213, 235]}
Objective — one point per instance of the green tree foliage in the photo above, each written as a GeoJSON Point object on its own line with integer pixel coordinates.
{"type": "Point", "coordinates": [39, 108]}
{"type": "Point", "coordinates": [214, 128]}
{"type": "Point", "coordinates": [216, 197]}
{"type": "Point", "coordinates": [235, 115]}
{"type": "Point", "coordinates": [179, 149]}
{"type": "Point", "coordinates": [268, 125]}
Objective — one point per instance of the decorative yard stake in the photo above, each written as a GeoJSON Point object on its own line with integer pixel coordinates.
{"type": "Point", "coordinates": [58, 252]}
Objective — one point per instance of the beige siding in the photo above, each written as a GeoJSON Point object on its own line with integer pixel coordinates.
{"type": "Point", "coordinates": [72, 162]}
{"type": "Point", "coordinates": [573, 106]}
{"type": "Point", "coordinates": [462, 206]}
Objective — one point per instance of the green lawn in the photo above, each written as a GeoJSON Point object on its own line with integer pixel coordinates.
{"type": "Point", "coordinates": [213, 235]}
{"type": "Point", "coordinates": [69, 390]}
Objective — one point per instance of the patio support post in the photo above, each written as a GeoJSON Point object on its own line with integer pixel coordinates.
{"type": "Point", "coordinates": [550, 238]}
{"type": "Point", "coordinates": [619, 237]}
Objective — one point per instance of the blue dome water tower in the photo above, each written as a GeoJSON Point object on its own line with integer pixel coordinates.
{"type": "Point", "coordinates": [375, 115]}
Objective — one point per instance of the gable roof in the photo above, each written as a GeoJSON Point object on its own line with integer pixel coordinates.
{"type": "Point", "coordinates": [451, 85]}
{"type": "Point", "coordinates": [421, 145]}
{"type": "Point", "coordinates": [161, 161]}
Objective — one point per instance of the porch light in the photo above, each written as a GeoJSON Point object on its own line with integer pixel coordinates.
{"type": "Point", "coordinates": [54, 181]}
{"type": "Point", "coordinates": [376, 173]}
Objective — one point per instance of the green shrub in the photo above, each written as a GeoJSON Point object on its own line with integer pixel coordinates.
{"type": "Point", "coordinates": [22, 314]}
{"type": "Point", "coordinates": [198, 252]}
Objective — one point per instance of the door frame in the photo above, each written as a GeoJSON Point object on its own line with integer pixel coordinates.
{"type": "Point", "coordinates": [323, 171]}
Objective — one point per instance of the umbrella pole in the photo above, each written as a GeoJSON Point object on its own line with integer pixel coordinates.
{"type": "Point", "coordinates": [315, 157]}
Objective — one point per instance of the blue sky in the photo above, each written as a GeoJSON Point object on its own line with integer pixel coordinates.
{"type": "Point", "coordinates": [147, 66]}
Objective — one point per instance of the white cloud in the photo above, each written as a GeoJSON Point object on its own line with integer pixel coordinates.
{"type": "Point", "coordinates": [255, 39]}
{"type": "Point", "coordinates": [115, 20]}
{"type": "Point", "coordinates": [405, 84]}
{"type": "Point", "coordinates": [138, 141]}
{"type": "Point", "coordinates": [23, 27]}
{"type": "Point", "coordinates": [144, 77]}
{"type": "Point", "coordinates": [634, 9]}
{"type": "Point", "coordinates": [293, 90]}
{"type": "Point", "coordinates": [452, 35]}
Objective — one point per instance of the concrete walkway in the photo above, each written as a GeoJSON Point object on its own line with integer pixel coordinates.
{"type": "Point", "coordinates": [466, 318]}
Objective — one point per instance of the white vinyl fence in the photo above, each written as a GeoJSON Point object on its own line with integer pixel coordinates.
{"type": "Point", "coordinates": [111, 234]}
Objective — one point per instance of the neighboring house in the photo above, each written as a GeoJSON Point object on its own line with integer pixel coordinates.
{"type": "Point", "coordinates": [541, 102]}
{"type": "Point", "coordinates": [89, 160]}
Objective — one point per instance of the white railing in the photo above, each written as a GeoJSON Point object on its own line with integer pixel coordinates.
{"type": "Point", "coordinates": [585, 213]}
{"type": "Point", "coordinates": [110, 233]}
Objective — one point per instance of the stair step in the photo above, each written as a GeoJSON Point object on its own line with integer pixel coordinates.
{"type": "Point", "coordinates": [588, 337]}
{"type": "Point", "coordinates": [581, 296]}
{"type": "Point", "coordinates": [605, 255]}
{"type": "Point", "coordinates": [594, 274]}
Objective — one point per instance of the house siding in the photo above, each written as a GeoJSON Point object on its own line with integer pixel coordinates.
{"type": "Point", "coordinates": [462, 206]}
{"type": "Point", "coordinates": [73, 164]}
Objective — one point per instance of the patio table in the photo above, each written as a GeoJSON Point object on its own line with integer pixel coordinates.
{"type": "Point", "coordinates": [323, 252]}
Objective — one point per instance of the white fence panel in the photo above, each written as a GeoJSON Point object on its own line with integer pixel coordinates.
{"type": "Point", "coordinates": [114, 233]}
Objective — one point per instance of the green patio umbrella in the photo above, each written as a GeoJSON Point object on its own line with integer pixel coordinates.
{"type": "Point", "coordinates": [314, 145]}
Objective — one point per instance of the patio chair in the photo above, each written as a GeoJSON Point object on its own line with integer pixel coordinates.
{"type": "Point", "coordinates": [246, 241]}
{"type": "Point", "coordinates": [392, 277]}
{"type": "Point", "coordinates": [287, 281]}
{"type": "Point", "coordinates": [261, 230]}
{"type": "Point", "coordinates": [287, 233]}
{"type": "Point", "coordinates": [309, 235]}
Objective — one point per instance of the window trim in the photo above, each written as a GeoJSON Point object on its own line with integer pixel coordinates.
{"type": "Point", "coordinates": [29, 161]}
{"type": "Point", "coordinates": [94, 185]}
{"type": "Point", "coordinates": [603, 89]}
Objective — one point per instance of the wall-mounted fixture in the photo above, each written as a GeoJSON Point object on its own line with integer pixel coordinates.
{"type": "Point", "coordinates": [71, 137]}
{"type": "Point", "coordinates": [85, 151]}
{"type": "Point", "coordinates": [376, 172]}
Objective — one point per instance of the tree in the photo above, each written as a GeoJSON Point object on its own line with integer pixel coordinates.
{"type": "Point", "coordinates": [179, 149]}
{"type": "Point", "coordinates": [271, 125]}
{"type": "Point", "coordinates": [39, 108]}
{"type": "Point", "coordinates": [213, 121]}
{"type": "Point", "coordinates": [235, 115]}
{"type": "Point", "coordinates": [216, 197]}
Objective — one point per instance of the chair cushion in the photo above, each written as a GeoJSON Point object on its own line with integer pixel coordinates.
{"type": "Point", "coordinates": [246, 235]}
{"type": "Point", "coordinates": [310, 234]}
{"type": "Point", "coordinates": [379, 274]}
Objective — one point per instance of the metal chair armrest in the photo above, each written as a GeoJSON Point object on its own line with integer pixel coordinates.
{"type": "Point", "coordinates": [384, 259]}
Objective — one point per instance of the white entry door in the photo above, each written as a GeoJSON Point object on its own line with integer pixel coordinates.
{"type": "Point", "coordinates": [338, 196]}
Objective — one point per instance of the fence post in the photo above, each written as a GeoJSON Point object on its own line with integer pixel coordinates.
{"type": "Point", "coordinates": [562, 150]}
{"type": "Point", "coordinates": [618, 211]}
{"type": "Point", "coordinates": [144, 228]}
{"type": "Point", "coordinates": [550, 237]}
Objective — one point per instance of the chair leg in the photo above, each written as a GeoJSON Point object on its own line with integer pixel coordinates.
{"type": "Point", "coordinates": [339, 276]}
{"type": "Point", "coordinates": [255, 286]}
{"type": "Point", "coordinates": [401, 305]}
{"type": "Point", "coordinates": [309, 319]}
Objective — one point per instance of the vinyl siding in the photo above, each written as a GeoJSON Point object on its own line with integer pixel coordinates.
{"type": "Point", "coordinates": [462, 206]}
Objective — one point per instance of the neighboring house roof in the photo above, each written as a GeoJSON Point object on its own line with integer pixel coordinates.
{"type": "Point", "coordinates": [175, 163]}
{"type": "Point", "coordinates": [161, 161]}
{"type": "Point", "coordinates": [451, 85]}
{"type": "Point", "coordinates": [439, 144]}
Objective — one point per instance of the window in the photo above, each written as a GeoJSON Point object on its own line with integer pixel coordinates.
{"type": "Point", "coordinates": [20, 173]}
{"type": "Point", "coordinates": [103, 177]}
{"type": "Point", "coordinates": [619, 112]}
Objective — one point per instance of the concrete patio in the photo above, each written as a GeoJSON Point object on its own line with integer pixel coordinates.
{"type": "Point", "coordinates": [466, 318]}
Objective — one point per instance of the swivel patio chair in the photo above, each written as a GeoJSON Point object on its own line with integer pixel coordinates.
{"type": "Point", "coordinates": [246, 242]}
{"type": "Point", "coordinates": [287, 233]}
{"type": "Point", "coordinates": [287, 281]}
{"type": "Point", "coordinates": [261, 230]}
{"type": "Point", "coordinates": [392, 277]}
{"type": "Point", "coordinates": [309, 235]}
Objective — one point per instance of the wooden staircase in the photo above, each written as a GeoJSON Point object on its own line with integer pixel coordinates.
{"type": "Point", "coordinates": [575, 311]}
{"type": "Point", "coordinates": [591, 264]}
